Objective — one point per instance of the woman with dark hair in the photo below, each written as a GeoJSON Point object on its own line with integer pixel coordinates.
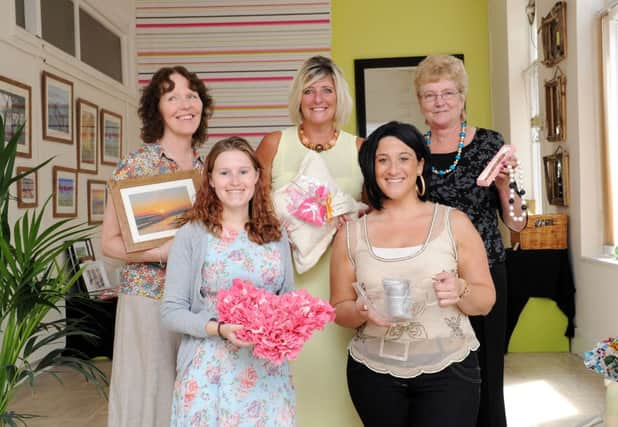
{"type": "Point", "coordinates": [231, 233]}
{"type": "Point", "coordinates": [174, 110]}
{"type": "Point", "coordinates": [420, 269]}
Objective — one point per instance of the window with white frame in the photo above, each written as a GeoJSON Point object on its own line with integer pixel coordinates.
{"type": "Point", "coordinates": [66, 25]}
{"type": "Point", "coordinates": [609, 29]}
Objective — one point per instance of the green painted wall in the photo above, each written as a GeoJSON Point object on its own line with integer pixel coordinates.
{"type": "Point", "coordinates": [379, 29]}
{"type": "Point", "coordinates": [540, 328]}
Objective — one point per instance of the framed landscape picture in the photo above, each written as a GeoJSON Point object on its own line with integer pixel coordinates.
{"type": "Point", "coordinates": [149, 208]}
{"type": "Point", "coordinates": [65, 192]}
{"type": "Point", "coordinates": [15, 109]}
{"type": "Point", "coordinates": [111, 137]}
{"type": "Point", "coordinates": [87, 135]}
{"type": "Point", "coordinates": [97, 191]}
{"type": "Point", "coordinates": [57, 108]}
{"type": "Point", "coordinates": [27, 189]}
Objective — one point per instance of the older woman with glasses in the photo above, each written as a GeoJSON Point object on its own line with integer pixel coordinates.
{"type": "Point", "coordinates": [459, 153]}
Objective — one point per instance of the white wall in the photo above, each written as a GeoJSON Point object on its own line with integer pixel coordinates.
{"type": "Point", "coordinates": [596, 280]}
{"type": "Point", "coordinates": [24, 57]}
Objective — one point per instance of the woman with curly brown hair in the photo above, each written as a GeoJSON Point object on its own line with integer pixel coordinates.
{"type": "Point", "coordinates": [174, 109]}
{"type": "Point", "coordinates": [231, 233]}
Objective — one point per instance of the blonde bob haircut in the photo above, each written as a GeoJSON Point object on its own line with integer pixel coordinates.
{"type": "Point", "coordinates": [314, 69]}
{"type": "Point", "coordinates": [438, 67]}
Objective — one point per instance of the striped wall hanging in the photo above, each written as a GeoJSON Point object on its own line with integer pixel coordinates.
{"type": "Point", "coordinates": [246, 52]}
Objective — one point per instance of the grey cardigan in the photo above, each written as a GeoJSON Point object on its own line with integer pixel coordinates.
{"type": "Point", "coordinates": [182, 307]}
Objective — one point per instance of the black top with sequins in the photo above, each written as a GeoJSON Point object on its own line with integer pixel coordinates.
{"type": "Point", "coordinates": [459, 189]}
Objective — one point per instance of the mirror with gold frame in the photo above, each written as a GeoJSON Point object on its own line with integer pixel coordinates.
{"type": "Point", "coordinates": [553, 34]}
{"type": "Point", "coordinates": [557, 177]}
{"type": "Point", "coordinates": [555, 108]}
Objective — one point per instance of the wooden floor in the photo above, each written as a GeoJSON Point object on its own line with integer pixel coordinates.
{"type": "Point", "coordinates": [541, 389]}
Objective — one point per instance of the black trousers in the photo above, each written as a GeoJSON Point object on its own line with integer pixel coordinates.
{"type": "Point", "coordinates": [490, 330]}
{"type": "Point", "coordinates": [448, 398]}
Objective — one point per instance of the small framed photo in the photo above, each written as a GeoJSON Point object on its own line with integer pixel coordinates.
{"type": "Point", "coordinates": [87, 135]}
{"type": "Point", "coordinates": [95, 278]}
{"type": "Point", "coordinates": [15, 109]}
{"type": "Point", "coordinates": [65, 192]}
{"type": "Point", "coordinates": [111, 137]}
{"type": "Point", "coordinates": [27, 189]}
{"type": "Point", "coordinates": [57, 108]}
{"type": "Point", "coordinates": [80, 252]}
{"type": "Point", "coordinates": [97, 199]}
{"type": "Point", "coordinates": [149, 208]}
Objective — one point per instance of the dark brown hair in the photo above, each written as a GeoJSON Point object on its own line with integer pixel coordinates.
{"type": "Point", "coordinates": [152, 122]}
{"type": "Point", "coordinates": [263, 226]}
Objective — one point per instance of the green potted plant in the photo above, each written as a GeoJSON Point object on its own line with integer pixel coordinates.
{"type": "Point", "coordinates": [32, 284]}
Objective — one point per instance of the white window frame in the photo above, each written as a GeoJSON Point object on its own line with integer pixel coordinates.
{"type": "Point", "coordinates": [609, 41]}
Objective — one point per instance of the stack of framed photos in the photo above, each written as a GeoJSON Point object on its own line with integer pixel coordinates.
{"type": "Point", "coordinates": [94, 278]}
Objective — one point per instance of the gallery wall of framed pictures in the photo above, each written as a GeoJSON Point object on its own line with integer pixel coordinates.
{"type": "Point", "coordinates": [92, 130]}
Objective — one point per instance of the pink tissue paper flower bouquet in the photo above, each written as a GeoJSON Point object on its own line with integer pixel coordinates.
{"type": "Point", "coordinates": [277, 325]}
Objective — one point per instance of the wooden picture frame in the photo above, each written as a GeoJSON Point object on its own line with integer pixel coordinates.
{"type": "Point", "coordinates": [16, 109]}
{"type": "Point", "coordinates": [148, 208]}
{"type": "Point", "coordinates": [65, 192]}
{"type": "Point", "coordinates": [87, 136]}
{"type": "Point", "coordinates": [111, 137]}
{"type": "Point", "coordinates": [554, 34]}
{"type": "Point", "coordinates": [555, 108]}
{"type": "Point", "coordinates": [97, 200]}
{"type": "Point", "coordinates": [27, 188]}
{"type": "Point", "coordinates": [557, 184]}
{"type": "Point", "coordinates": [57, 94]}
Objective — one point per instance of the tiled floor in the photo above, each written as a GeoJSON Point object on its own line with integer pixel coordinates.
{"type": "Point", "coordinates": [541, 389]}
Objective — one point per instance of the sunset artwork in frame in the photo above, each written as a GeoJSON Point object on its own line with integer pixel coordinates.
{"type": "Point", "coordinates": [149, 208]}
{"type": "Point", "coordinates": [87, 135]}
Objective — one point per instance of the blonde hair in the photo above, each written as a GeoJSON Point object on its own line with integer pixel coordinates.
{"type": "Point", "coordinates": [438, 67]}
{"type": "Point", "coordinates": [314, 69]}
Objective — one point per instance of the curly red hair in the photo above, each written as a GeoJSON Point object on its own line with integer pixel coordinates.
{"type": "Point", "coordinates": [263, 226]}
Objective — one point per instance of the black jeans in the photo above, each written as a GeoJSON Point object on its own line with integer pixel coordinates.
{"type": "Point", "coordinates": [449, 398]}
{"type": "Point", "coordinates": [490, 330]}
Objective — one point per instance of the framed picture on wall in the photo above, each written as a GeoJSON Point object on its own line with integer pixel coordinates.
{"type": "Point", "coordinates": [87, 135]}
{"type": "Point", "coordinates": [15, 109]}
{"type": "Point", "coordinates": [27, 189]}
{"type": "Point", "coordinates": [111, 137]}
{"type": "Point", "coordinates": [97, 199]}
{"type": "Point", "coordinates": [65, 192]}
{"type": "Point", "coordinates": [149, 208]}
{"type": "Point", "coordinates": [57, 108]}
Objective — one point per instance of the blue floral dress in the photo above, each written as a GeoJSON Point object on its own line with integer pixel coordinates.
{"type": "Point", "coordinates": [225, 385]}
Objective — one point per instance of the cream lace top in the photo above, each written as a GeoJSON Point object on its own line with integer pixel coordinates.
{"type": "Point", "coordinates": [436, 336]}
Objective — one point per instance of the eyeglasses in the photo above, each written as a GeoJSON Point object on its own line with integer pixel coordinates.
{"type": "Point", "coordinates": [447, 96]}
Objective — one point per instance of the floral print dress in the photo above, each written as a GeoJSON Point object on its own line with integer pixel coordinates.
{"type": "Point", "coordinates": [225, 385]}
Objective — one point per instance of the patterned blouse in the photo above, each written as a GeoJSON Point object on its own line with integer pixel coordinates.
{"type": "Point", "coordinates": [459, 189]}
{"type": "Point", "coordinates": [146, 279]}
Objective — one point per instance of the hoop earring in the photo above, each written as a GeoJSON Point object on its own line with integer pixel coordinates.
{"type": "Point", "coordinates": [421, 193]}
